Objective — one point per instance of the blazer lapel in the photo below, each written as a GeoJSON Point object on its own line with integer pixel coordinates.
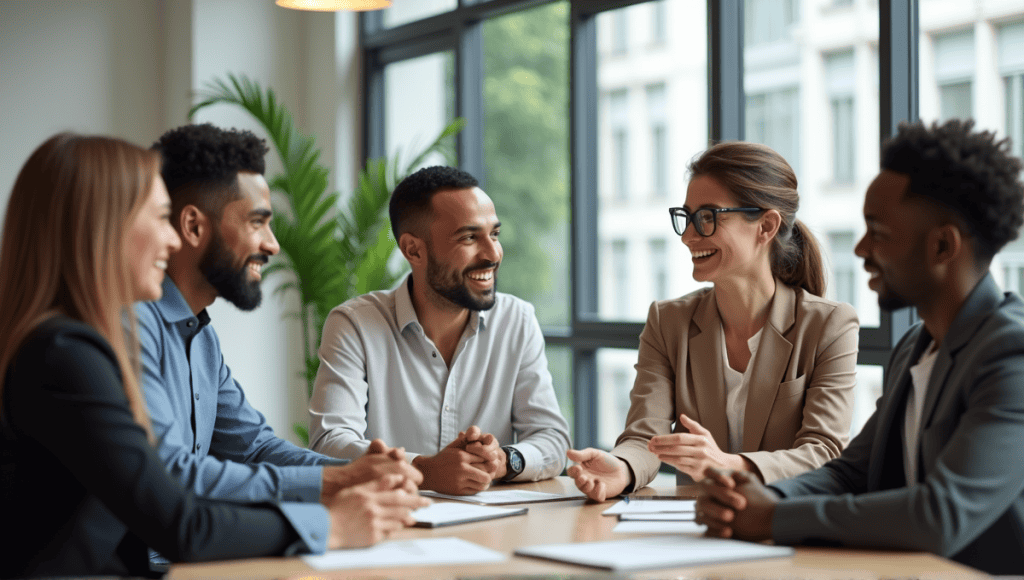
{"type": "Point", "coordinates": [705, 357]}
{"type": "Point", "coordinates": [769, 365]}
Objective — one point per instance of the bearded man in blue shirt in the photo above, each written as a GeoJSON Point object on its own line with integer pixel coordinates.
{"type": "Point", "coordinates": [208, 434]}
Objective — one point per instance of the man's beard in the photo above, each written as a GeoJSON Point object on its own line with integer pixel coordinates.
{"type": "Point", "coordinates": [231, 283]}
{"type": "Point", "coordinates": [455, 291]}
{"type": "Point", "coordinates": [891, 301]}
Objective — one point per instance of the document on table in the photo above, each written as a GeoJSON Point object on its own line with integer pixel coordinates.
{"type": "Point", "coordinates": [447, 514]}
{"type": "Point", "coordinates": [507, 497]}
{"type": "Point", "coordinates": [658, 527]}
{"type": "Point", "coordinates": [640, 506]}
{"type": "Point", "coordinates": [654, 552]}
{"type": "Point", "coordinates": [424, 552]}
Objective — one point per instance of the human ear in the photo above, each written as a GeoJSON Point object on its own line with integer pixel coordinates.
{"type": "Point", "coordinates": [771, 221]}
{"type": "Point", "coordinates": [946, 244]}
{"type": "Point", "coordinates": [193, 226]}
{"type": "Point", "coordinates": [413, 248]}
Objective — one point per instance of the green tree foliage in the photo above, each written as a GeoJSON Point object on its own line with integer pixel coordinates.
{"type": "Point", "coordinates": [526, 150]}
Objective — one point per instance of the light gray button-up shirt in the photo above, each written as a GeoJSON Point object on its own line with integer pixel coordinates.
{"type": "Point", "coordinates": [381, 377]}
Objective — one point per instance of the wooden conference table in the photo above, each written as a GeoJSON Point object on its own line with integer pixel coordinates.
{"type": "Point", "coordinates": [579, 521]}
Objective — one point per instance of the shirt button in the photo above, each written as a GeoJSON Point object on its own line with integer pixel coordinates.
{"type": "Point", "coordinates": [197, 448]}
{"type": "Point", "coordinates": [447, 408]}
{"type": "Point", "coordinates": [433, 354]}
{"type": "Point", "coordinates": [197, 396]}
{"type": "Point", "coordinates": [190, 323]}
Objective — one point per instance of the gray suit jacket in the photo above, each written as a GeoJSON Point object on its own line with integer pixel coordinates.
{"type": "Point", "coordinates": [967, 503]}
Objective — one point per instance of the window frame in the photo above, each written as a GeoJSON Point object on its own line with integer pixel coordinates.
{"type": "Point", "coordinates": [460, 30]}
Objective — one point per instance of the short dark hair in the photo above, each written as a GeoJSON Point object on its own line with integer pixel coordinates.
{"type": "Point", "coordinates": [970, 174]}
{"type": "Point", "coordinates": [411, 198]}
{"type": "Point", "coordinates": [201, 164]}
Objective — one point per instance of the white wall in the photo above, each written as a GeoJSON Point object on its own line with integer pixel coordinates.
{"type": "Point", "coordinates": [130, 68]}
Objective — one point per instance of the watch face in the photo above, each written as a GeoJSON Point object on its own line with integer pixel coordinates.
{"type": "Point", "coordinates": [517, 461]}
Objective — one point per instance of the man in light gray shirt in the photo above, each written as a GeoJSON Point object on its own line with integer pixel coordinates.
{"type": "Point", "coordinates": [443, 365]}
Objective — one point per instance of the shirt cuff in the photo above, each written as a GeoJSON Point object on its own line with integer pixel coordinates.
{"type": "Point", "coordinates": [533, 462]}
{"type": "Point", "coordinates": [313, 525]}
{"type": "Point", "coordinates": [302, 483]}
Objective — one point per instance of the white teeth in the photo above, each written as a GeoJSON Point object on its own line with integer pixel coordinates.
{"type": "Point", "coordinates": [162, 264]}
{"type": "Point", "coordinates": [483, 275]}
{"type": "Point", "coordinates": [256, 267]}
{"type": "Point", "coordinates": [703, 253]}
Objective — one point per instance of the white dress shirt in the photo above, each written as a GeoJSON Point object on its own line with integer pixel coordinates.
{"type": "Point", "coordinates": [919, 374]}
{"type": "Point", "coordinates": [381, 377]}
{"type": "Point", "coordinates": [737, 385]}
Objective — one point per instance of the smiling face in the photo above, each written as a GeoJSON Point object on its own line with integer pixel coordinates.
{"type": "Point", "coordinates": [893, 248]}
{"type": "Point", "coordinates": [242, 243]}
{"type": "Point", "coordinates": [733, 249]}
{"type": "Point", "coordinates": [463, 251]}
{"type": "Point", "coordinates": [151, 241]}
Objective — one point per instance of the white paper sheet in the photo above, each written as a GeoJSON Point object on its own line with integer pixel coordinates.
{"type": "Point", "coordinates": [655, 552]}
{"type": "Point", "coordinates": [445, 513]}
{"type": "Point", "coordinates": [659, 527]}
{"type": "Point", "coordinates": [431, 551]}
{"type": "Point", "coordinates": [654, 506]}
{"type": "Point", "coordinates": [506, 497]}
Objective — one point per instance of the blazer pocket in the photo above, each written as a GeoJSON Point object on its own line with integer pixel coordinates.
{"type": "Point", "coordinates": [792, 388]}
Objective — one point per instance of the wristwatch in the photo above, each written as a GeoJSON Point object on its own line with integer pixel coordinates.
{"type": "Point", "coordinates": [514, 463]}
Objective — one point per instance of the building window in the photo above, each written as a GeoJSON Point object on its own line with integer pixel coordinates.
{"type": "Point", "coordinates": [839, 82]}
{"type": "Point", "coordinates": [659, 268]}
{"type": "Point", "coordinates": [954, 72]}
{"type": "Point", "coordinates": [620, 32]}
{"type": "Point", "coordinates": [618, 115]}
{"type": "Point", "coordinates": [772, 119]}
{"type": "Point", "coordinates": [659, 139]}
{"type": "Point", "coordinates": [659, 22]}
{"type": "Point", "coordinates": [844, 266]}
{"type": "Point", "coordinates": [1011, 66]}
{"type": "Point", "coordinates": [620, 274]}
{"type": "Point", "coordinates": [766, 21]}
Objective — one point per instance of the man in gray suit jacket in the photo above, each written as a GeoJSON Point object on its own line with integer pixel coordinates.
{"type": "Point", "coordinates": [940, 465]}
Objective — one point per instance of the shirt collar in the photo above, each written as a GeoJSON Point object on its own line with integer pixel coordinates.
{"type": "Point", "coordinates": [175, 310]}
{"type": "Point", "coordinates": [405, 314]}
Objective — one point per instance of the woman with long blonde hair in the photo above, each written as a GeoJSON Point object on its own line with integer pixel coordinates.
{"type": "Point", "coordinates": [82, 490]}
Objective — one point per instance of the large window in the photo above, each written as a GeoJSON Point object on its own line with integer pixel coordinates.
{"type": "Point", "coordinates": [582, 117]}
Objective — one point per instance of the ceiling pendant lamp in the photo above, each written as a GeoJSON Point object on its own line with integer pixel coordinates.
{"type": "Point", "coordinates": [334, 5]}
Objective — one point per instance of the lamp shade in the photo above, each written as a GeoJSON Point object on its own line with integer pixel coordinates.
{"type": "Point", "coordinates": [334, 5]}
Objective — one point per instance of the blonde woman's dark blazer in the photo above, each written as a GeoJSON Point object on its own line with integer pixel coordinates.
{"type": "Point", "coordinates": [800, 401]}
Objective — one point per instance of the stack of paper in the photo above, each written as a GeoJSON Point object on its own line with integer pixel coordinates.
{"type": "Point", "coordinates": [508, 496]}
{"type": "Point", "coordinates": [436, 551]}
{"type": "Point", "coordinates": [639, 516]}
{"type": "Point", "coordinates": [655, 552]}
{"type": "Point", "coordinates": [446, 514]}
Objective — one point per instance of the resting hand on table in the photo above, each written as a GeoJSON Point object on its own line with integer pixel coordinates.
{"type": "Point", "coordinates": [735, 504]}
{"type": "Point", "coordinates": [365, 514]}
{"type": "Point", "coordinates": [456, 471]}
{"type": "Point", "coordinates": [597, 473]}
{"type": "Point", "coordinates": [378, 461]}
{"type": "Point", "coordinates": [694, 452]}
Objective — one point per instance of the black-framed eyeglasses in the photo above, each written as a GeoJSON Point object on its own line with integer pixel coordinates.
{"type": "Point", "coordinates": [704, 220]}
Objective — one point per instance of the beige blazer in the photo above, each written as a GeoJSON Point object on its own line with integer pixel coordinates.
{"type": "Point", "coordinates": [800, 401]}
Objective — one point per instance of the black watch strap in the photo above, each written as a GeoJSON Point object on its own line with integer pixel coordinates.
{"type": "Point", "coordinates": [514, 463]}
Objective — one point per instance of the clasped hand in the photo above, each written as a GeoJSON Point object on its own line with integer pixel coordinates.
{"type": "Point", "coordinates": [465, 466]}
{"type": "Point", "coordinates": [735, 504]}
{"type": "Point", "coordinates": [378, 461]}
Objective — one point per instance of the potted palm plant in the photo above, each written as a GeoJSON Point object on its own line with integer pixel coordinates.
{"type": "Point", "coordinates": [332, 251]}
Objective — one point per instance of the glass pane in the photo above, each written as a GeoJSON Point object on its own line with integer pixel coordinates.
{"type": "Point", "coordinates": [526, 153]}
{"type": "Point", "coordinates": [866, 393]}
{"type": "Point", "coordinates": [652, 118]}
{"type": "Point", "coordinates": [814, 99]}
{"type": "Point", "coordinates": [414, 118]}
{"type": "Point", "coordinates": [973, 68]}
{"type": "Point", "coordinates": [560, 365]}
{"type": "Point", "coordinates": [615, 376]}
{"type": "Point", "coordinates": [404, 11]}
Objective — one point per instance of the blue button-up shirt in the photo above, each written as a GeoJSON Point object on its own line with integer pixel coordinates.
{"type": "Point", "coordinates": [208, 434]}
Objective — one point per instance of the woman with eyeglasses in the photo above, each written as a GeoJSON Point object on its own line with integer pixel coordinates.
{"type": "Point", "coordinates": [755, 372]}
{"type": "Point", "coordinates": [82, 490]}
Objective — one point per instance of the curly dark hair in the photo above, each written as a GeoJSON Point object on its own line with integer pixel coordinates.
{"type": "Point", "coordinates": [411, 198]}
{"type": "Point", "coordinates": [201, 163]}
{"type": "Point", "coordinates": [970, 174]}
